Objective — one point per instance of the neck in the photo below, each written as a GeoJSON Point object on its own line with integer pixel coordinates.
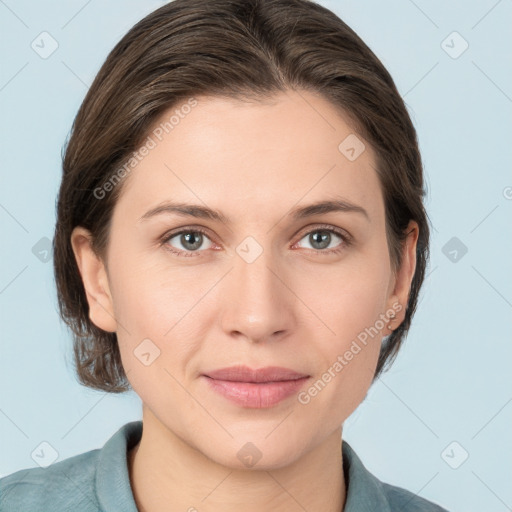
{"type": "Point", "coordinates": [166, 473]}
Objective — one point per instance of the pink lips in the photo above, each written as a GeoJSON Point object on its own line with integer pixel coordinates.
{"type": "Point", "coordinates": [259, 388]}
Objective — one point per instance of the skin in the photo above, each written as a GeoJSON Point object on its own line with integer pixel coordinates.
{"type": "Point", "coordinates": [294, 306]}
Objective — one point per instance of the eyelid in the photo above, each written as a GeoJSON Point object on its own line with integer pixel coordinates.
{"type": "Point", "coordinates": [185, 229]}
{"type": "Point", "coordinates": [325, 227]}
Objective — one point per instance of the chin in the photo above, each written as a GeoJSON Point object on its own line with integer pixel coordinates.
{"type": "Point", "coordinates": [253, 452]}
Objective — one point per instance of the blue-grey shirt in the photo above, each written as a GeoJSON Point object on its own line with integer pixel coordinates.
{"type": "Point", "coordinates": [98, 481]}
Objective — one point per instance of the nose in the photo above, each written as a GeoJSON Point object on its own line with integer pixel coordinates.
{"type": "Point", "coordinates": [257, 304]}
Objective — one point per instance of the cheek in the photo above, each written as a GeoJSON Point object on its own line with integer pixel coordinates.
{"type": "Point", "coordinates": [163, 312]}
{"type": "Point", "coordinates": [349, 300]}
{"type": "Point", "coordinates": [347, 296]}
{"type": "Point", "coordinates": [152, 296]}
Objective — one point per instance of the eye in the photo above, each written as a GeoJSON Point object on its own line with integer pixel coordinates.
{"type": "Point", "coordinates": [321, 238]}
{"type": "Point", "coordinates": [190, 241]}
{"type": "Point", "coordinates": [187, 241]}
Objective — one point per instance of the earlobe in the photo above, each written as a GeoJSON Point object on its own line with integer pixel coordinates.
{"type": "Point", "coordinates": [95, 280]}
{"type": "Point", "coordinates": [404, 276]}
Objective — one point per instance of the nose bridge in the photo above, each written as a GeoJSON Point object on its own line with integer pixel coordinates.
{"type": "Point", "coordinates": [257, 304]}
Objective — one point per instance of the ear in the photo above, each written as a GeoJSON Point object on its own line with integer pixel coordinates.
{"type": "Point", "coordinates": [401, 283]}
{"type": "Point", "coordinates": [95, 280]}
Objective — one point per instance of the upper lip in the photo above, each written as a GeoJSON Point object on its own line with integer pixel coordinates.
{"type": "Point", "coordinates": [246, 374]}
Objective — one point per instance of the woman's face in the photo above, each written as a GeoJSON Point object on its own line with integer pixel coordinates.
{"type": "Point", "coordinates": [264, 286]}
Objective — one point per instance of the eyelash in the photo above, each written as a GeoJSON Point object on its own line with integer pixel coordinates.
{"type": "Point", "coordinates": [347, 240]}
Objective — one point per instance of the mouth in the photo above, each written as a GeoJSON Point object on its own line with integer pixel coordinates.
{"type": "Point", "coordinates": [260, 388]}
{"type": "Point", "coordinates": [260, 375]}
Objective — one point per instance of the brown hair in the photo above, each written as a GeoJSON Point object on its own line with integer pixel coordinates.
{"type": "Point", "coordinates": [240, 49]}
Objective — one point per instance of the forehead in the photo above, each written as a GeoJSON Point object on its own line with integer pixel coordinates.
{"type": "Point", "coordinates": [234, 155]}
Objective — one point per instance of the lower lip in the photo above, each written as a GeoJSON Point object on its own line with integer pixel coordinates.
{"type": "Point", "coordinates": [256, 395]}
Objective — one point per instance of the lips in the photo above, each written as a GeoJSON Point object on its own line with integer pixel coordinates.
{"type": "Point", "coordinates": [246, 374]}
{"type": "Point", "coordinates": [257, 389]}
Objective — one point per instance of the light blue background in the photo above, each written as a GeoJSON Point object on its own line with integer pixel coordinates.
{"type": "Point", "coordinates": [452, 380]}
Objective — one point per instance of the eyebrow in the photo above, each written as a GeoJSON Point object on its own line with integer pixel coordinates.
{"type": "Point", "coordinates": [203, 212]}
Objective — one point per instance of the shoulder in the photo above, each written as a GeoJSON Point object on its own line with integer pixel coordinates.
{"type": "Point", "coordinates": [93, 481]}
{"type": "Point", "coordinates": [406, 501]}
{"type": "Point", "coordinates": [365, 492]}
{"type": "Point", "coordinates": [65, 485]}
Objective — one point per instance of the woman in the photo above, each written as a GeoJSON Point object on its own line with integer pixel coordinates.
{"type": "Point", "coordinates": [241, 240]}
